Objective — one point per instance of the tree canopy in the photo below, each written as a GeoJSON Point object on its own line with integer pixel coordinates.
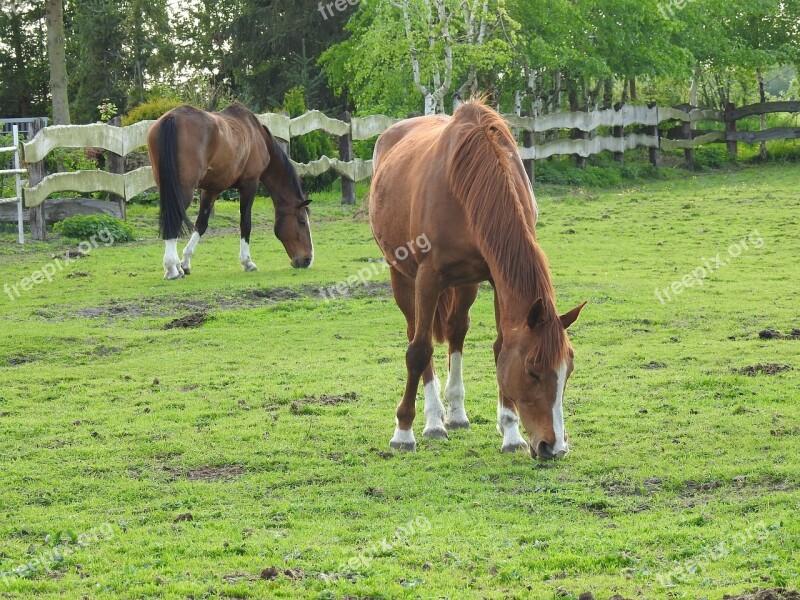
{"type": "Point", "coordinates": [400, 57]}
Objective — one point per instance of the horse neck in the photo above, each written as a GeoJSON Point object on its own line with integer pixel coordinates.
{"type": "Point", "coordinates": [515, 303]}
{"type": "Point", "coordinates": [278, 181]}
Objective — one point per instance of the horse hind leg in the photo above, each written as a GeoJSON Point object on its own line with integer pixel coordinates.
{"type": "Point", "coordinates": [173, 268]}
{"type": "Point", "coordinates": [172, 262]}
{"type": "Point", "coordinates": [457, 327]}
{"type": "Point", "coordinates": [200, 226]}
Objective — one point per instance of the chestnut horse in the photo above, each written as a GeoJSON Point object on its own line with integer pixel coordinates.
{"type": "Point", "coordinates": [191, 148]}
{"type": "Point", "coordinates": [459, 181]}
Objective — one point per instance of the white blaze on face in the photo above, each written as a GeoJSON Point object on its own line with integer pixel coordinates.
{"type": "Point", "coordinates": [558, 412]}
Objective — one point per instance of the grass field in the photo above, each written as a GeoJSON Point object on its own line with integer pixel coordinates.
{"type": "Point", "coordinates": [189, 462]}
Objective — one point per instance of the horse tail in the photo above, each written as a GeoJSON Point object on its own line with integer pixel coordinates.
{"type": "Point", "coordinates": [447, 302]}
{"type": "Point", "coordinates": [172, 215]}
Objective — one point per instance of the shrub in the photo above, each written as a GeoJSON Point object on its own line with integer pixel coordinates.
{"type": "Point", "coordinates": [150, 110]}
{"type": "Point", "coordinates": [311, 146]}
{"type": "Point", "coordinates": [83, 227]}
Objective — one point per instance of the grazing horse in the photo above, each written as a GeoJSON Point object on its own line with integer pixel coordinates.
{"type": "Point", "coordinates": [459, 183]}
{"type": "Point", "coordinates": [191, 148]}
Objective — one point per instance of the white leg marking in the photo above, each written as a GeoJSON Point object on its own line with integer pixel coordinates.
{"type": "Point", "coordinates": [454, 393]}
{"type": "Point", "coordinates": [508, 426]}
{"type": "Point", "coordinates": [172, 262]}
{"type": "Point", "coordinates": [403, 439]}
{"type": "Point", "coordinates": [434, 411]}
{"type": "Point", "coordinates": [244, 256]}
{"type": "Point", "coordinates": [560, 449]}
{"type": "Point", "coordinates": [188, 251]}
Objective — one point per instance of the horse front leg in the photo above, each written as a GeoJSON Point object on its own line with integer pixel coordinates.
{"type": "Point", "coordinates": [200, 225]}
{"type": "Point", "coordinates": [418, 361]}
{"type": "Point", "coordinates": [247, 193]}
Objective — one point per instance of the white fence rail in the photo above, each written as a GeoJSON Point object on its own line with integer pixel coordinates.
{"type": "Point", "coordinates": [17, 172]}
{"type": "Point", "coordinates": [646, 119]}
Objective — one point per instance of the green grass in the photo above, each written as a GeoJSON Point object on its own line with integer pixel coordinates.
{"type": "Point", "coordinates": [270, 423]}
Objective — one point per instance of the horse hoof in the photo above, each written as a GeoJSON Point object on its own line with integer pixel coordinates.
{"type": "Point", "coordinates": [435, 434]}
{"type": "Point", "coordinates": [251, 266]}
{"type": "Point", "coordinates": [187, 271]}
{"type": "Point", "coordinates": [453, 425]}
{"type": "Point", "coordinates": [173, 273]}
{"type": "Point", "coordinates": [515, 447]}
{"type": "Point", "coordinates": [403, 446]}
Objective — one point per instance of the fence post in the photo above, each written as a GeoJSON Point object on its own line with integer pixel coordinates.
{"type": "Point", "coordinates": [618, 131]}
{"type": "Point", "coordinates": [116, 165]}
{"type": "Point", "coordinates": [730, 127]}
{"type": "Point", "coordinates": [653, 130]}
{"type": "Point", "coordinates": [36, 173]}
{"type": "Point", "coordinates": [530, 164]}
{"type": "Point", "coordinates": [686, 132]}
{"type": "Point", "coordinates": [346, 155]}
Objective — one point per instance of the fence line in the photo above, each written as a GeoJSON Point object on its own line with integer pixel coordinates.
{"type": "Point", "coordinates": [16, 171]}
{"type": "Point", "coordinates": [642, 121]}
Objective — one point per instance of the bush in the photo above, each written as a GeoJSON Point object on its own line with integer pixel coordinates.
{"type": "Point", "coordinates": [83, 227]}
{"type": "Point", "coordinates": [311, 146]}
{"type": "Point", "coordinates": [151, 110]}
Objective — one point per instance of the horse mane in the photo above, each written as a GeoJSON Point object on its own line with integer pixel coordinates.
{"type": "Point", "coordinates": [287, 164]}
{"type": "Point", "coordinates": [498, 207]}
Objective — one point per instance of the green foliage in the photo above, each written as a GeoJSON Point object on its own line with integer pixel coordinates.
{"type": "Point", "coordinates": [150, 110]}
{"type": "Point", "coordinates": [311, 146]}
{"type": "Point", "coordinates": [68, 160]}
{"type": "Point", "coordinates": [600, 172]}
{"type": "Point", "coordinates": [84, 227]}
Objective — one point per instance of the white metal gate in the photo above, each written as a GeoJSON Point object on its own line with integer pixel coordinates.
{"type": "Point", "coordinates": [16, 172]}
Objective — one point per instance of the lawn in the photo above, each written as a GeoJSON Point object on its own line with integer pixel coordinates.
{"type": "Point", "coordinates": [247, 456]}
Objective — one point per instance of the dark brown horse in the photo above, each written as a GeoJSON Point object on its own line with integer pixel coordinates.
{"type": "Point", "coordinates": [191, 148]}
{"type": "Point", "coordinates": [458, 182]}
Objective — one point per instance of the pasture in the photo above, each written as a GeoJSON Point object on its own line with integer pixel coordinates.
{"type": "Point", "coordinates": [247, 455]}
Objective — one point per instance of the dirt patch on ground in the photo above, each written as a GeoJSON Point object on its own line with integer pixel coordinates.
{"type": "Point", "coordinates": [692, 489]}
{"type": "Point", "coordinates": [765, 369]}
{"type": "Point", "coordinates": [771, 334]}
{"type": "Point", "coordinates": [193, 320]}
{"type": "Point", "coordinates": [307, 404]}
{"type": "Point", "coordinates": [775, 594]}
{"type": "Point", "coordinates": [221, 473]}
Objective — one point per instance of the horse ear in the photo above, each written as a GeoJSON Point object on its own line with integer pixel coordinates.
{"type": "Point", "coordinates": [569, 318]}
{"type": "Point", "coordinates": [536, 314]}
{"type": "Point", "coordinates": [305, 202]}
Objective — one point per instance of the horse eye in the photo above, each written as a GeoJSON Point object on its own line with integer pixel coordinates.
{"type": "Point", "coordinates": [533, 376]}
{"type": "Point", "coordinates": [302, 222]}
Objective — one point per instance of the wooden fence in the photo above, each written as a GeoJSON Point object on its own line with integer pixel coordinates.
{"type": "Point", "coordinates": [630, 127]}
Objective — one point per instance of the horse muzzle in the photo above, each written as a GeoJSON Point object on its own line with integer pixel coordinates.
{"type": "Point", "coordinates": [302, 263]}
{"type": "Point", "coordinates": [544, 451]}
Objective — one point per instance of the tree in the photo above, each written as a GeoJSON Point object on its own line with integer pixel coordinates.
{"type": "Point", "coordinates": [23, 66]}
{"type": "Point", "coordinates": [58, 62]}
